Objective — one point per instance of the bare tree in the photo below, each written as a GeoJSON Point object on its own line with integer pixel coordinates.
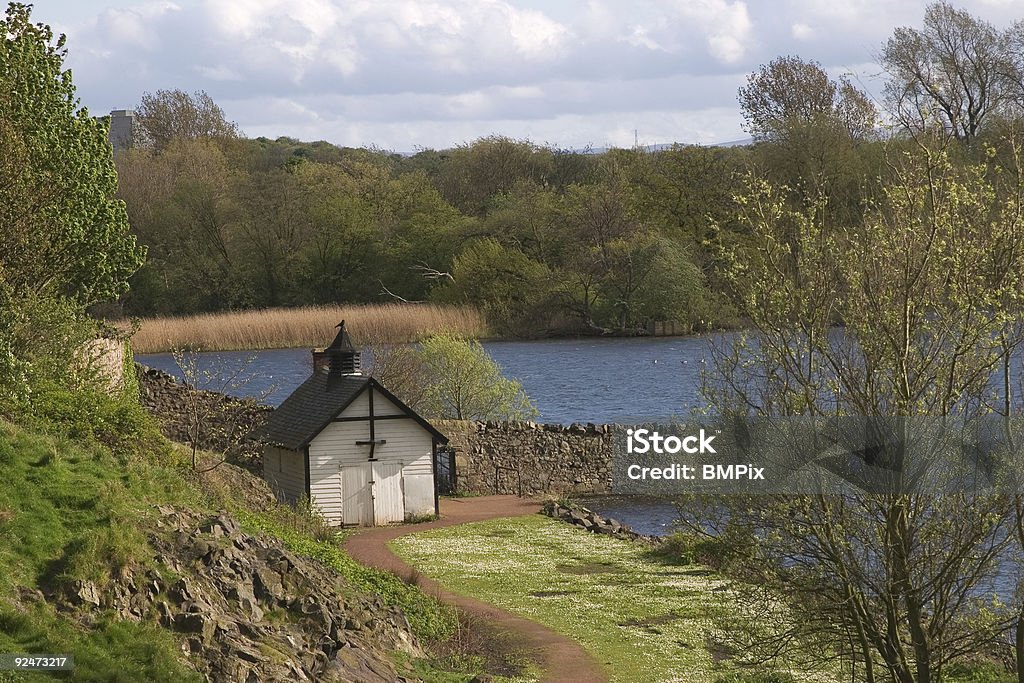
{"type": "Point", "coordinates": [214, 420]}
{"type": "Point", "coordinates": [789, 93]}
{"type": "Point", "coordinates": [814, 129]}
{"type": "Point", "coordinates": [952, 73]}
{"type": "Point", "coordinates": [1014, 67]}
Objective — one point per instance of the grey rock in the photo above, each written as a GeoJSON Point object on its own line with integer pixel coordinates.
{"type": "Point", "coordinates": [85, 593]}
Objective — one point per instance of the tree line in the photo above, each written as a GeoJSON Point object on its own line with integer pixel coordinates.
{"type": "Point", "coordinates": [542, 240]}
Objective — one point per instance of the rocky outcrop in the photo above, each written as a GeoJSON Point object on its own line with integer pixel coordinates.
{"type": "Point", "coordinates": [527, 458]}
{"type": "Point", "coordinates": [587, 519]}
{"type": "Point", "coordinates": [249, 610]}
{"type": "Point", "coordinates": [215, 421]}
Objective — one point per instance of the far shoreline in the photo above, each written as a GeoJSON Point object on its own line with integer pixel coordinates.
{"type": "Point", "coordinates": [308, 327]}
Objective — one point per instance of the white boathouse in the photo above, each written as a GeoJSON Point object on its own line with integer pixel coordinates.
{"type": "Point", "coordinates": [342, 440]}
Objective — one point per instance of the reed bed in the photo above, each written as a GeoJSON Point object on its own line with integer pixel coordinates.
{"type": "Point", "coordinates": [313, 326]}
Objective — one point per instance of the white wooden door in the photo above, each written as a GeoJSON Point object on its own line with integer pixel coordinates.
{"type": "Point", "coordinates": [356, 495]}
{"type": "Point", "coordinates": [388, 493]}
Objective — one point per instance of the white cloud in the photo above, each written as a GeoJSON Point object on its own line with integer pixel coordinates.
{"type": "Point", "coordinates": [535, 34]}
{"type": "Point", "coordinates": [402, 73]}
{"type": "Point", "coordinates": [218, 73]}
{"type": "Point", "coordinates": [802, 31]}
{"type": "Point", "coordinates": [134, 27]}
{"type": "Point", "coordinates": [641, 38]}
{"type": "Point", "coordinates": [726, 24]}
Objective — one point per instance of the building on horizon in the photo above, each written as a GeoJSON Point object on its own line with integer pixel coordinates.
{"type": "Point", "coordinates": [122, 128]}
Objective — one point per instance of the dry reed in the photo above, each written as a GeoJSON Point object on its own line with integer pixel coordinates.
{"type": "Point", "coordinates": [313, 326]}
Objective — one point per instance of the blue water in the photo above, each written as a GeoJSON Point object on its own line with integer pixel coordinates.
{"type": "Point", "coordinates": [647, 516]}
{"type": "Point", "coordinates": [569, 380]}
{"type": "Point", "coordinates": [657, 517]}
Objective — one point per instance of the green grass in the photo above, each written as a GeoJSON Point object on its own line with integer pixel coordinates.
{"type": "Point", "coordinates": [72, 510]}
{"type": "Point", "coordinates": [113, 651]}
{"type": "Point", "coordinates": [643, 620]}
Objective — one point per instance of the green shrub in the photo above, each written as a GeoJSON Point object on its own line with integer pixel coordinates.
{"type": "Point", "coordinates": [88, 413]}
{"type": "Point", "coordinates": [719, 552]}
{"type": "Point", "coordinates": [678, 548]}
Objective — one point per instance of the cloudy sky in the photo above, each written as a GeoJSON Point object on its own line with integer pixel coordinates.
{"type": "Point", "coordinates": [410, 74]}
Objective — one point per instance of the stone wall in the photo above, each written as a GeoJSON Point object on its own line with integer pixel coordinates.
{"type": "Point", "coordinates": [216, 422]}
{"type": "Point", "coordinates": [526, 458]}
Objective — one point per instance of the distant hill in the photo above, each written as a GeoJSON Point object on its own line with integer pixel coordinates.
{"type": "Point", "coordinates": [650, 148]}
{"type": "Point", "coordinates": [667, 145]}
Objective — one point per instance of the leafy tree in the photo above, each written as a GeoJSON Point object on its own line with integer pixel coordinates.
{"type": "Point", "coordinates": [687, 189]}
{"type": "Point", "coordinates": [504, 284]}
{"type": "Point", "coordinates": [342, 251]}
{"type": "Point", "coordinates": [63, 232]}
{"type": "Point", "coordinates": [466, 383]}
{"type": "Point", "coordinates": [928, 285]}
{"type": "Point", "coordinates": [954, 72]}
{"type": "Point", "coordinates": [789, 93]}
{"type": "Point", "coordinates": [528, 217]}
{"type": "Point", "coordinates": [475, 173]}
{"type": "Point", "coordinates": [674, 289]}
{"type": "Point", "coordinates": [168, 115]}
{"type": "Point", "coordinates": [609, 253]}
{"type": "Point", "coordinates": [183, 205]}
{"type": "Point", "coordinates": [420, 232]}
{"type": "Point", "coordinates": [813, 132]}
{"type": "Point", "coordinates": [276, 227]}
{"type": "Point", "coordinates": [64, 240]}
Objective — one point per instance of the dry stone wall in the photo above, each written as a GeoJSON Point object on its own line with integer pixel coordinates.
{"type": "Point", "coordinates": [526, 458]}
{"type": "Point", "coordinates": [215, 421]}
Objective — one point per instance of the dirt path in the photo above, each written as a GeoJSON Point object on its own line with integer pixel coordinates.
{"type": "Point", "coordinates": [562, 659]}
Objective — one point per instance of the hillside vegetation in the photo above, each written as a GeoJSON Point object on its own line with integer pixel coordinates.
{"type": "Point", "coordinates": [72, 513]}
{"type": "Point", "coordinates": [99, 559]}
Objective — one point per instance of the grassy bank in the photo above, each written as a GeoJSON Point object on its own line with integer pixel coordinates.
{"type": "Point", "coordinates": [644, 620]}
{"type": "Point", "coordinates": [279, 328]}
{"type": "Point", "coordinates": [72, 510]}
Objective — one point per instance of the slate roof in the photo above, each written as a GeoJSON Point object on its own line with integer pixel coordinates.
{"type": "Point", "coordinates": [317, 401]}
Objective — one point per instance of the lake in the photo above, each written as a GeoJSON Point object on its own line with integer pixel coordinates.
{"type": "Point", "coordinates": [569, 380]}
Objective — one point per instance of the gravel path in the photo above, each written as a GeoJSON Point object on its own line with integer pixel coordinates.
{"type": "Point", "coordinates": [562, 659]}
